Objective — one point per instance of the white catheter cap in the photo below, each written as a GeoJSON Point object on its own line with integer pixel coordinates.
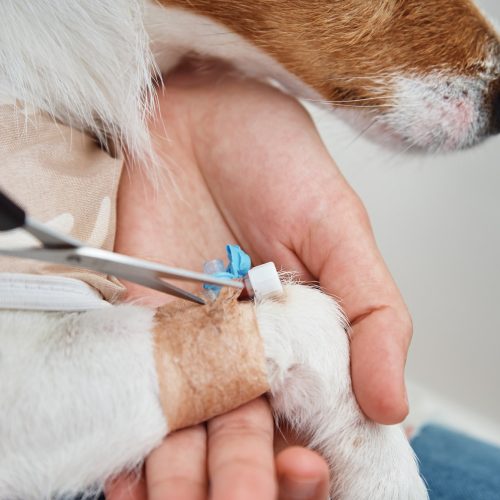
{"type": "Point", "coordinates": [265, 280]}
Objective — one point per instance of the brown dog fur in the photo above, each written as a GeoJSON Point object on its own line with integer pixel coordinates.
{"type": "Point", "coordinates": [340, 48]}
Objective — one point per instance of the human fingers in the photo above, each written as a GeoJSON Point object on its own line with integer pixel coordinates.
{"type": "Point", "coordinates": [302, 474]}
{"type": "Point", "coordinates": [341, 250]}
{"type": "Point", "coordinates": [176, 470]}
{"type": "Point", "coordinates": [309, 219]}
{"type": "Point", "coordinates": [380, 390]}
{"type": "Point", "coordinates": [240, 454]}
{"type": "Point", "coordinates": [337, 246]}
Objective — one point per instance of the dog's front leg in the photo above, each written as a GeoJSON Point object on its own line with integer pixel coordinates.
{"type": "Point", "coordinates": [84, 396]}
{"type": "Point", "coordinates": [78, 399]}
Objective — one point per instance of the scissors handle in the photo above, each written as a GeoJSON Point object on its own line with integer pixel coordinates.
{"type": "Point", "coordinates": [12, 215]}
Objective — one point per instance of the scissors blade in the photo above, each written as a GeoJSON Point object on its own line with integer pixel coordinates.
{"type": "Point", "coordinates": [115, 264]}
{"type": "Point", "coordinates": [65, 255]}
{"type": "Point", "coordinates": [122, 265]}
{"type": "Point", "coordinates": [48, 236]}
{"type": "Point", "coordinates": [163, 286]}
{"type": "Point", "coordinates": [62, 249]}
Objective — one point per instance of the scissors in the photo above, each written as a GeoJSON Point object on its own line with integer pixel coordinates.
{"type": "Point", "coordinates": [61, 249]}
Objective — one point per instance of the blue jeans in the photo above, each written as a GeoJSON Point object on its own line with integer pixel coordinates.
{"type": "Point", "coordinates": [457, 467]}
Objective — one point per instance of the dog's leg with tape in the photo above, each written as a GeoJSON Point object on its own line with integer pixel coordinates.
{"type": "Point", "coordinates": [84, 396]}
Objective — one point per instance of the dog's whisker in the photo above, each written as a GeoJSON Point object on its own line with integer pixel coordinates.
{"type": "Point", "coordinates": [345, 101]}
{"type": "Point", "coordinates": [362, 132]}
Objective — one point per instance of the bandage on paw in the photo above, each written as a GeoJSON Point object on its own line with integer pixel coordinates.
{"type": "Point", "coordinates": [209, 359]}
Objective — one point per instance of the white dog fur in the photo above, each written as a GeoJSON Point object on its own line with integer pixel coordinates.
{"type": "Point", "coordinates": [79, 399]}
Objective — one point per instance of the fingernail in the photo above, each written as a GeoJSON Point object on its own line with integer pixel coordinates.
{"type": "Point", "coordinates": [298, 490]}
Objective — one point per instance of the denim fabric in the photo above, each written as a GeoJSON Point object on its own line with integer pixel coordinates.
{"type": "Point", "coordinates": [457, 467]}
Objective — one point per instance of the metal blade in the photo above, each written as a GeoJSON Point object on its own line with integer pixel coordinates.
{"type": "Point", "coordinates": [114, 264]}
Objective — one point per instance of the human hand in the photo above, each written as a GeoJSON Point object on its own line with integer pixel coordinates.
{"type": "Point", "coordinates": [247, 166]}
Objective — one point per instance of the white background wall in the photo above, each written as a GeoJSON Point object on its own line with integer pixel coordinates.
{"type": "Point", "coordinates": [437, 222]}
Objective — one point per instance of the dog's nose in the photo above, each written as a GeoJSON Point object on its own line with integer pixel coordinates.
{"type": "Point", "coordinates": [494, 92]}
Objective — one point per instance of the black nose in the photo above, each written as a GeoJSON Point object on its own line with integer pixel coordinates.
{"type": "Point", "coordinates": [495, 106]}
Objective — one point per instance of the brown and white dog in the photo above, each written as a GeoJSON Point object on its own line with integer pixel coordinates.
{"type": "Point", "coordinates": [426, 72]}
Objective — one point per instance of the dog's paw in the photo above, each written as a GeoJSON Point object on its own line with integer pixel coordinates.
{"type": "Point", "coordinates": [307, 357]}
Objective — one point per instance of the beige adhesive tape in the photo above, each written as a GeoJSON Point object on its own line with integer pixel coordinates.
{"type": "Point", "coordinates": [209, 359]}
